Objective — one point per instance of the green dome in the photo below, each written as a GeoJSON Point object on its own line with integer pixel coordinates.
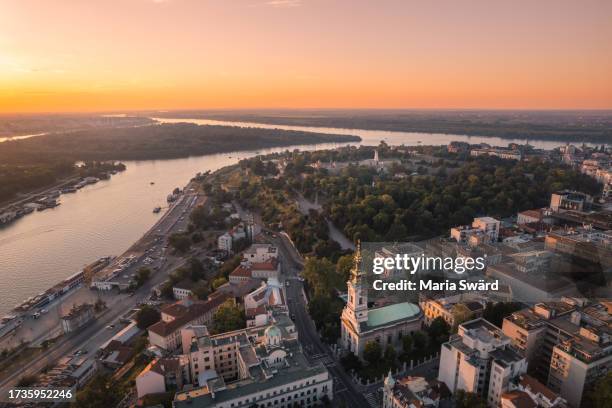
{"type": "Point", "coordinates": [272, 331]}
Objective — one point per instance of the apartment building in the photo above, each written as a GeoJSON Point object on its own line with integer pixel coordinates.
{"type": "Point", "coordinates": [569, 200]}
{"type": "Point", "coordinates": [479, 359]}
{"type": "Point", "coordinates": [567, 344]}
{"type": "Point", "coordinates": [161, 375]}
{"type": "Point", "coordinates": [483, 230]}
{"type": "Point", "coordinates": [257, 366]}
{"type": "Point", "coordinates": [580, 361]}
{"type": "Point", "coordinates": [585, 243]}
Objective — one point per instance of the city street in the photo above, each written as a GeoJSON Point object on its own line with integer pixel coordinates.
{"type": "Point", "coordinates": [344, 389]}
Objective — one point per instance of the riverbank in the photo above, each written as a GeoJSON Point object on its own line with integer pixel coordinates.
{"type": "Point", "coordinates": [592, 126]}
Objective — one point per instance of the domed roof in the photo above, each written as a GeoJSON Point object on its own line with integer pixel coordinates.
{"type": "Point", "coordinates": [272, 331]}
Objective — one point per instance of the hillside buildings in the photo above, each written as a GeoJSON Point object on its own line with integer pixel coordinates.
{"type": "Point", "coordinates": [384, 325]}
{"type": "Point", "coordinates": [479, 359]}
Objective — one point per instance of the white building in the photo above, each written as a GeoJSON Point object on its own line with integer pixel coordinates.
{"type": "Point", "coordinates": [163, 374]}
{"type": "Point", "coordinates": [488, 225]}
{"type": "Point", "coordinates": [479, 359]}
{"type": "Point", "coordinates": [482, 230]}
{"type": "Point", "coordinates": [183, 289]}
{"type": "Point", "coordinates": [270, 293]}
{"type": "Point", "coordinates": [259, 366]}
{"type": "Point", "coordinates": [260, 253]}
{"type": "Point", "coordinates": [224, 242]}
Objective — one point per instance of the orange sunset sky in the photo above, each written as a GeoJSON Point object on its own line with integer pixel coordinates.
{"type": "Point", "coordinates": [86, 55]}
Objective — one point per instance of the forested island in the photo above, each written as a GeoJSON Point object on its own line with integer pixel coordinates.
{"type": "Point", "coordinates": [165, 141]}
{"type": "Point", "coordinates": [41, 161]}
{"type": "Point", "coordinates": [563, 125]}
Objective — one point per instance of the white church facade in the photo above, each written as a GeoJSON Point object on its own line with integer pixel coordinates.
{"type": "Point", "coordinates": [384, 325]}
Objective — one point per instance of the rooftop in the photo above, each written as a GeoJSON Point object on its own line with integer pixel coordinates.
{"type": "Point", "coordinates": [391, 314]}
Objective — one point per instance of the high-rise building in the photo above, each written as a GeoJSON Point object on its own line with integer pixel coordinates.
{"type": "Point", "coordinates": [479, 359]}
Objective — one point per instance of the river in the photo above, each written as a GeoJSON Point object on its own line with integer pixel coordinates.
{"type": "Point", "coordinates": [45, 247]}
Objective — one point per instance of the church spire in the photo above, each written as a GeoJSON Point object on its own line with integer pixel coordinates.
{"type": "Point", "coordinates": [356, 273]}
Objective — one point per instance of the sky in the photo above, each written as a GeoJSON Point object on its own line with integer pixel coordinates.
{"type": "Point", "coordinates": [113, 55]}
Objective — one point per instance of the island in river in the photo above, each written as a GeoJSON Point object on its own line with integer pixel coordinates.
{"type": "Point", "coordinates": [44, 160]}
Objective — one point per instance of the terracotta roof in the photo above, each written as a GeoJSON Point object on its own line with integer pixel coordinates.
{"type": "Point", "coordinates": [269, 265]}
{"type": "Point", "coordinates": [254, 311]}
{"type": "Point", "coordinates": [164, 365]}
{"type": "Point", "coordinates": [191, 313]}
{"type": "Point", "coordinates": [537, 387]}
{"type": "Point", "coordinates": [175, 310]}
{"type": "Point", "coordinates": [242, 271]}
{"type": "Point", "coordinates": [519, 399]}
{"type": "Point", "coordinates": [532, 213]}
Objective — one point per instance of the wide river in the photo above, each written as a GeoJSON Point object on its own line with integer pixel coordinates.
{"type": "Point", "coordinates": [45, 247]}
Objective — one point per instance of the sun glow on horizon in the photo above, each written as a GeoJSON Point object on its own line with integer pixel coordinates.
{"type": "Point", "coordinates": [188, 54]}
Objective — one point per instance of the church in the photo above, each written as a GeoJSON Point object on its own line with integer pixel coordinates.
{"type": "Point", "coordinates": [384, 325]}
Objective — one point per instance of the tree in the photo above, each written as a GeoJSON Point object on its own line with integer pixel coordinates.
{"type": "Point", "coordinates": [372, 352]}
{"type": "Point", "coordinates": [197, 269]}
{"type": "Point", "coordinates": [602, 394]}
{"type": "Point", "coordinates": [217, 282]}
{"type": "Point", "coordinates": [142, 276]}
{"type": "Point", "coordinates": [200, 290]}
{"type": "Point", "coordinates": [438, 332]}
{"type": "Point", "coordinates": [97, 394]}
{"type": "Point", "coordinates": [390, 356]}
{"type": "Point", "coordinates": [344, 266]}
{"type": "Point", "coordinates": [318, 272]}
{"type": "Point", "coordinates": [180, 242]}
{"type": "Point", "coordinates": [228, 317]}
{"type": "Point", "coordinates": [147, 316]}
{"type": "Point", "coordinates": [351, 362]}
{"type": "Point", "coordinates": [468, 400]}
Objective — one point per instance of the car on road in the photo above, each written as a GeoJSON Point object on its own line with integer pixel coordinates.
{"type": "Point", "coordinates": [287, 283]}
{"type": "Point", "coordinates": [110, 326]}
